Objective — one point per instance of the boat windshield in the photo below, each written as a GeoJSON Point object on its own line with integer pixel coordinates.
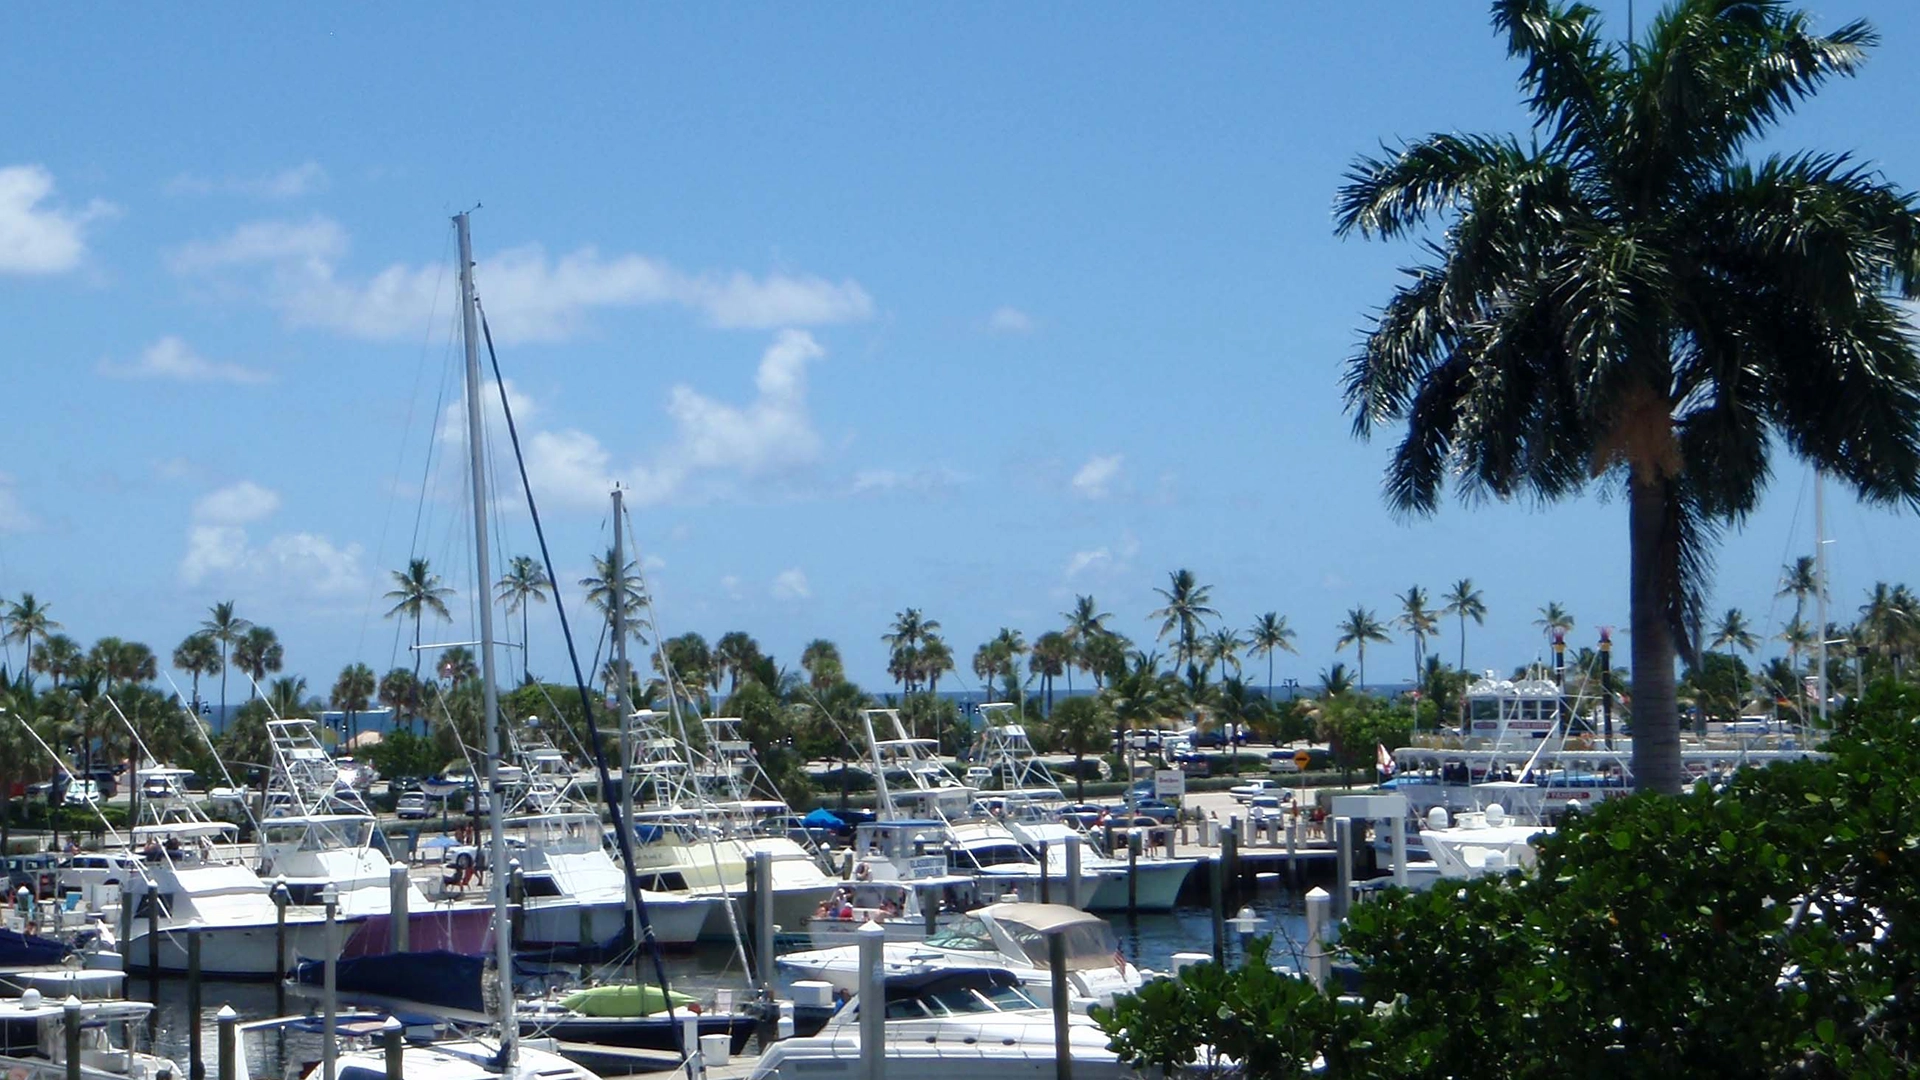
{"type": "Point", "coordinates": [320, 834]}
{"type": "Point", "coordinates": [1090, 944]}
{"type": "Point", "coordinates": [961, 1000]}
{"type": "Point", "coordinates": [969, 934]}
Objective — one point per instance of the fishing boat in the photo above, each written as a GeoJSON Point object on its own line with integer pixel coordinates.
{"type": "Point", "coordinates": [33, 1040]}
{"type": "Point", "coordinates": [898, 877]}
{"type": "Point", "coordinates": [950, 1024]}
{"type": "Point", "coordinates": [1009, 935]}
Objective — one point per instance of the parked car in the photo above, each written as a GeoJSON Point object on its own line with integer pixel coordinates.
{"type": "Point", "coordinates": [1251, 788]}
{"type": "Point", "coordinates": [35, 873]}
{"type": "Point", "coordinates": [412, 806]}
{"type": "Point", "coordinates": [1158, 809]}
{"type": "Point", "coordinates": [97, 869]}
{"type": "Point", "coordinates": [83, 793]}
{"type": "Point", "coordinates": [1083, 815]}
{"type": "Point", "coordinates": [1262, 807]}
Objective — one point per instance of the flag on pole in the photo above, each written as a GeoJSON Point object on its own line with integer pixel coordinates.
{"type": "Point", "coordinates": [1383, 761]}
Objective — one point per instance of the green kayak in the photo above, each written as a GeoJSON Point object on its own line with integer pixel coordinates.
{"type": "Point", "coordinates": [622, 1000]}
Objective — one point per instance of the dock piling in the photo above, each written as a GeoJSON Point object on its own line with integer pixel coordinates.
{"type": "Point", "coordinates": [228, 1047]}
{"type": "Point", "coordinates": [1062, 1007]}
{"type": "Point", "coordinates": [1046, 876]}
{"type": "Point", "coordinates": [1342, 865]}
{"type": "Point", "coordinates": [280, 899]}
{"type": "Point", "coordinates": [1133, 874]}
{"type": "Point", "coordinates": [1399, 827]}
{"type": "Point", "coordinates": [873, 1001]}
{"type": "Point", "coordinates": [70, 1015]}
{"type": "Point", "coordinates": [1293, 852]}
{"type": "Point", "coordinates": [196, 1061]}
{"type": "Point", "coordinates": [397, 914]}
{"type": "Point", "coordinates": [761, 868]}
{"type": "Point", "coordinates": [391, 1048]}
{"type": "Point", "coordinates": [1217, 904]}
{"type": "Point", "coordinates": [1073, 873]}
{"type": "Point", "coordinates": [330, 999]}
{"type": "Point", "coordinates": [1319, 915]}
{"type": "Point", "coordinates": [516, 906]}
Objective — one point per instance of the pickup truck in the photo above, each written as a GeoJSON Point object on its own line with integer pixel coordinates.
{"type": "Point", "coordinates": [1252, 788]}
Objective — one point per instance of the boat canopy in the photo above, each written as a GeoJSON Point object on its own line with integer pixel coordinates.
{"type": "Point", "coordinates": [186, 829]}
{"type": "Point", "coordinates": [1043, 918]}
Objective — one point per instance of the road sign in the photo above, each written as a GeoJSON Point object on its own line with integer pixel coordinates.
{"type": "Point", "coordinates": [1300, 759]}
{"type": "Point", "coordinates": [1169, 783]}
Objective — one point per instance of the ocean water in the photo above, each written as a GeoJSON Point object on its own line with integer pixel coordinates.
{"type": "Point", "coordinates": [1149, 941]}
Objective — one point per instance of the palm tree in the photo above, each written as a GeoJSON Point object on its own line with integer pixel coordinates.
{"type": "Point", "coordinates": [524, 582]}
{"type": "Point", "coordinates": [1222, 647]}
{"type": "Point", "coordinates": [821, 658]}
{"type": "Point", "coordinates": [26, 619]}
{"type": "Point", "coordinates": [1891, 621]}
{"type": "Point", "coordinates": [736, 653]}
{"type": "Point", "coordinates": [1798, 637]}
{"type": "Point", "coordinates": [1049, 659]}
{"type": "Point", "coordinates": [1184, 615]}
{"type": "Point", "coordinates": [1335, 681]}
{"type": "Point", "coordinates": [352, 694]}
{"type": "Point", "coordinates": [287, 696]}
{"type": "Point", "coordinates": [1359, 627]}
{"type": "Point", "coordinates": [122, 662]}
{"type": "Point", "coordinates": [936, 659]}
{"type": "Point", "coordinates": [55, 657]}
{"type": "Point", "coordinates": [1270, 633]}
{"type": "Point", "coordinates": [456, 666]}
{"type": "Point", "coordinates": [1419, 621]}
{"type": "Point", "coordinates": [1081, 726]}
{"type": "Point", "coordinates": [604, 583]}
{"type": "Point", "coordinates": [1624, 295]}
{"type": "Point", "coordinates": [418, 590]}
{"type": "Point", "coordinates": [1554, 621]}
{"type": "Point", "coordinates": [256, 653]}
{"type": "Point", "coordinates": [197, 655]}
{"type": "Point", "coordinates": [1105, 656]}
{"type": "Point", "coordinates": [226, 628]}
{"type": "Point", "coordinates": [1734, 633]}
{"type": "Point", "coordinates": [1465, 601]}
{"type": "Point", "coordinates": [910, 629]}
{"type": "Point", "coordinates": [1007, 647]}
{"type": "Point", "coordinates": [1084, 623]}
{"type": "Point", "coordinates": [1799, 579]}
{"type": "Point", "coordinates": [985, 663]}
{"type": "Point", "coordinates": [398, 690]}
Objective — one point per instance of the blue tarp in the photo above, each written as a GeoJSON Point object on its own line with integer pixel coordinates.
{"type": "Point", "coordinates": [823, 819]}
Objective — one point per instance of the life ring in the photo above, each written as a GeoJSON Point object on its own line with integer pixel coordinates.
{"type": "Point", "coordinates": [463, 861]}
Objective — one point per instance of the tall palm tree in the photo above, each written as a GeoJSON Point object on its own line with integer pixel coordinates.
{"type": "Point", "coordinates": [1270, 634]}
{"type": "Point", "coordinates": [1105, 656]}
{"type": "Point", "coordinates": [1084, 623]}
{"type": "Point", "coordinates": [1554, 621]}
{"type": "Point", "coordinates": [985, 663]}
{"type": "Point", "coordinates": [1222, 647]}
{"type": "Point", "coordinates": [736, 653]}
{"type": "Point", "coordinates": [198, 655]}
{"type": "Point", "coordinates": [1891, 621]}
{"type": "Point", "coordinates": [1048, 660]}
{"type": "Point", "coordinates": [524, 582]}
{"type": "Point", "coordinates": [910, 630]}
{"type": "Point", "coordinates": [1798, 637]}
{"type": "Point", "coordinates": [26, 619]}
{"type": "Point", "coordinates": [352, 694]}
{"type": "Point", "coordinates": [605, 583]}
{"type": "Point", "coordinates": [1466, 602]}
{"type": "Point", "coordinates": [821, 658]}
{"type": "Point", "coordinates": [398, 690]}
{"type": "Point", "coordinates": [1184, 615]}
{"type": "Point", "coordinates": [226, 628]}
{"type": "Point", "coordinates": [1625, 295]}
{"type": "Point", "coordinates": [55, 657]}
{"type": "Point", "coordinates": [936, 659]}
{"type": "Point", "coordinates": [416, 591]}
{"type": "Point", "coordinates": [1420, 622]}
{"type": "Point", "coordinates": [1800, 579]}
{"type": "Point", "coordinates": [257, 653]}
{"type": "Point", "coordinates": [1357, 629]}
{"type": "Point", "coordinates": [1734, 633]}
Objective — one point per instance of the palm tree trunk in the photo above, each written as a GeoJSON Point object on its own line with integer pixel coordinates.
{"type": "Point", "coordinates": [1269, 675]}
{"type": "Point", "coordinates": [1363, 666]}
{"type": "Point", "coordinates": [1463, 641]}
{"type": "Point", "coordinates": [223, 685]}
{"type": "Point", "coordinates": [1656, 709]}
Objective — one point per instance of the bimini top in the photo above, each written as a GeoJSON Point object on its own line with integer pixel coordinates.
{"type": "Point", "coordinates": [1042, 917]}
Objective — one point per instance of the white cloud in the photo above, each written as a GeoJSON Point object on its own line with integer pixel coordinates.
{"type": "Point", "coordinates": [730, 584]}
{"type": "Point", "coordinates": [528, 295]}
{"type": "Point", "coordinates": [175, 468]}
{"type": "Point", "coordinates": [918, 481]}
{"type": "Point", "coordinates": [36, 238]}
{"type": "Point", "coordinates": [236, 504]}
{"type": "Point", "coordinates": [172, 358]}
{"type": "Point", "coordinates": [1010, 320]}
{"type": "Point", "coordinates": [1096, 477]}
{"type": "Point", "coordinates": [1110, 561]}
{"type": "Point", "coordinates": [14, 517]}
{"type": "Point", "coordinates": [791, 585]}
{"type": "Point", "coordinates": [306, 178]}
{"type": "Point", "coordinates": [219, 548]}
{"type": "Point", "coordinates": [771, 434]}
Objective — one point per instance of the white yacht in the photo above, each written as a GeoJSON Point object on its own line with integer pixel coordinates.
{"type": "Point", "coordinates": [1013, 936]}
{"type": "Point", "coordinates": [572, 887]}
{"type": "Point", "coordinates": [33, 1040]}
{"type": "Point", "coordinates": [900, 880]}
{"type": "Point", "coordinates": [952, 1024]}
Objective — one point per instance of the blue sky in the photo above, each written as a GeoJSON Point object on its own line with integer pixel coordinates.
{"type": "Point", "coordinates": [967, 308]}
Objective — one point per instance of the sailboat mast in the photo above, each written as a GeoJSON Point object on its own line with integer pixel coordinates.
{"type": "Point", "coordinates": [489, 689]}
{"type": "Point", "coordinates": [1820, 578]}
{"type": "Point", "coordinates": [623, 696]}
